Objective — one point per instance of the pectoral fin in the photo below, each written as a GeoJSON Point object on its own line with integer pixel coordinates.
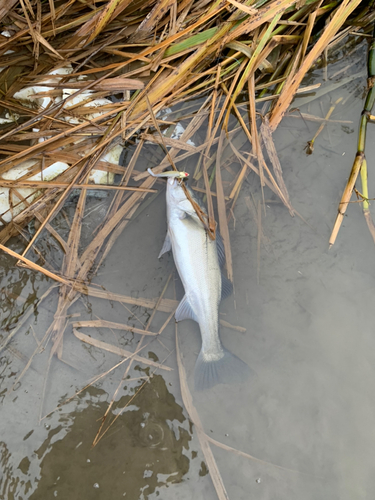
{"type": "Point", "coordinates": [167, 246]}
{"type": "Point", "coordinates": [187, 208]}
{"type": "Point", "coordinates": [184, 311]}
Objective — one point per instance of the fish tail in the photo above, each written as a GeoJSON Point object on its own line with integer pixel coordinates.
{"type": "Point", "coordinates": [227, 370]}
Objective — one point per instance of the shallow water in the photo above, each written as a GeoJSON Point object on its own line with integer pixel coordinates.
{"type": "Point", "coordinates": [307, 414]}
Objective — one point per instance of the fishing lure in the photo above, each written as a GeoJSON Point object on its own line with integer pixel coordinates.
{"type": "Point", "coordinates": [170, 174]}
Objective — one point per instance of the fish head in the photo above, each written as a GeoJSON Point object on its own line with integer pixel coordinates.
{"type": "Point", "coordinates": [175, 193]}
{"type": "Point", "coordinates": [178, 206]}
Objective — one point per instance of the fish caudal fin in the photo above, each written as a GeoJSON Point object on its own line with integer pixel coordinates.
{"type": "Point", "coordinates": [227, 370]}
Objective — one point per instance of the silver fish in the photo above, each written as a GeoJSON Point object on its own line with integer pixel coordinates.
{"type": "Point", "coordinates": [199, 261]}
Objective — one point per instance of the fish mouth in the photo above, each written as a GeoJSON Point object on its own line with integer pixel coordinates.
{"type": "Point", "coordinates": [173, 181]}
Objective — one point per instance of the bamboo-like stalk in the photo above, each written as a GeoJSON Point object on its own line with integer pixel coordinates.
{"type": "Point", "coordinates": [360, 158]}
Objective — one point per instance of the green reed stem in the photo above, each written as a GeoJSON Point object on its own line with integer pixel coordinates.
{"type": "Point", "coordinates": [366, 113]}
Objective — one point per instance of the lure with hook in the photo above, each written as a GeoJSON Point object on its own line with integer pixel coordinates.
{"type": "Point", "coordinates": [170, 174]}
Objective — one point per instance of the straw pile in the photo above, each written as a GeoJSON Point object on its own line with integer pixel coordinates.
{"type": "Point", "coordinates": [61, 60]}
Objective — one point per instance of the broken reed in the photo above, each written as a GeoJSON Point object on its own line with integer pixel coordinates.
{"type": "Point", "coordinates": [360, 162]}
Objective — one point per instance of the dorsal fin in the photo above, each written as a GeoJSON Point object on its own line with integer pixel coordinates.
{"type": "Point", "coordinates": [226, 287]}
{"type": "Point", "coordinates": [220, 249]}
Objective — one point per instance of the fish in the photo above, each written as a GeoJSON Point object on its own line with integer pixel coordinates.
{"type": "Point", "coordinates": [199, 261]}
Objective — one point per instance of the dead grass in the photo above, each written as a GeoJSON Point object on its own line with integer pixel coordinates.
{"type": "Point", "coordinates": [153, 56]}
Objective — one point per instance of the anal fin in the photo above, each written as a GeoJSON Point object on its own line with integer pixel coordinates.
{"type": "Point", "coordinates": [184, 311]}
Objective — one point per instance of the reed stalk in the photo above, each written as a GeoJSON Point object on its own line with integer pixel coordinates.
{"type": "Point", "coordinates": [360, 158]}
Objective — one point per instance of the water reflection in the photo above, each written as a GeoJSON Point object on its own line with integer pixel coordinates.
{"type": "Point", "coordinates": [18, 289]}
{"type": "Point", "coordinates": [146, 448]}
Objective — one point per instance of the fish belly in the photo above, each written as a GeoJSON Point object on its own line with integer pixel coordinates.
{"type": "Point", "coordinates": [196, 260]}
